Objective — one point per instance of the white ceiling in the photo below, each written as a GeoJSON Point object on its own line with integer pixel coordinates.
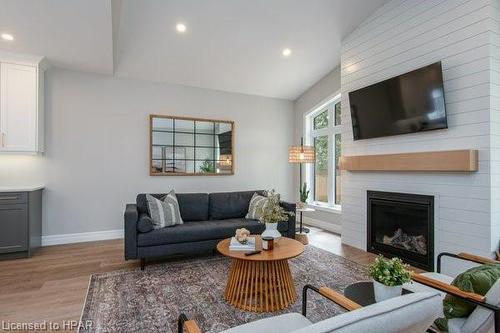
{"type": "Point", "coordinates": [71, 34]}
{"type": "Point", "coordinates": [230, 45]}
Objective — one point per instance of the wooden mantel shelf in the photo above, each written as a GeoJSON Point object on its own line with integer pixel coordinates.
{"type": "Point", "coordinates": [440, 161]}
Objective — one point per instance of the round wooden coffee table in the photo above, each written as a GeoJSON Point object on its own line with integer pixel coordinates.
{"type": "Point", "coordinates": [261, 282]}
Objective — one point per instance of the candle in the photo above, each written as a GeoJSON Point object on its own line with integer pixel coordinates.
{"type": "Point", "coordinates": [267, 243]}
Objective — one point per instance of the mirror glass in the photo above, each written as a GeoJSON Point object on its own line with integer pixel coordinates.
{"type": "Point", "coordinates": [185, 146]}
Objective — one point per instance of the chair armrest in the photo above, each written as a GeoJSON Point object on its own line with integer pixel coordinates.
{"type": "Point", "coordinates": [449, 289]}
{"type": "Point", "coordinates": [477, 259]}
{"type": "Point", "coordinates": [184, 325]}
{"type": "Point", "coordinates": [131, 216]}
{"type": "Point", "coordinates": [191, 326]}
{"type": "Point", "coordinates": [330, 294]}
{"type": "Point", "coordinates": [338, 298]}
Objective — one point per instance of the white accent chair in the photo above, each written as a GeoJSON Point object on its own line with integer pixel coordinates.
{"type": "Point", "coordinates": [485, 318]}
{"type": "Point", "coordinates": [412, 313]}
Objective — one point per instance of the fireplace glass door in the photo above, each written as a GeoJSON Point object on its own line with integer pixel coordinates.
{"type": "Point", "coordinates": [401, 225]}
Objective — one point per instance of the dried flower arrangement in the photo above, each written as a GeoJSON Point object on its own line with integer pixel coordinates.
{"type": "Point", "coordinates": [272, 212]}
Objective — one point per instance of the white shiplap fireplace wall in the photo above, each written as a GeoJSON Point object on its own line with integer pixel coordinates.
{"type": "Point", "coordinates": [405, 35]}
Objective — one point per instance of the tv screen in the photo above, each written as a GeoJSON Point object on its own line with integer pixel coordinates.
{"type": "Point", "coordinates": [408, 103]}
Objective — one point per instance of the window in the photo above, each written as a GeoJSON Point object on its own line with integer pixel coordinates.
{"type": "Point", "coordinates": [321, 120]}
{"type": "Point", "coordinates": [323, 131]}
{"type": "Point", "coordinates": [321, 169]}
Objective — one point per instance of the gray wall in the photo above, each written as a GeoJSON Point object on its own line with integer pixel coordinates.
{"type": "Point", "coordinates": [313, 97]}
{"type": "Point", "coordinates": [97, 138]}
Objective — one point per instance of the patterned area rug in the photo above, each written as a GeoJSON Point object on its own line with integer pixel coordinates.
{"type": "Point", "coordinates": [151, 300]}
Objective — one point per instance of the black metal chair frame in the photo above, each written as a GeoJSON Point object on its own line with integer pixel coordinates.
{"type": "Point", "coordinates": [180, 323]}
{"type": "Point", "coordinates": [304, 297]}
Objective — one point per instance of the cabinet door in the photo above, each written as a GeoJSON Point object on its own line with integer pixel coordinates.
{"type": "Point", "coordinates": [18, 108]}
{"type": "Point", "coordinates": [13, 228]}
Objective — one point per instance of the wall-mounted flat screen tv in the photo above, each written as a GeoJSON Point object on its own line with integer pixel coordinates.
{"type": "Point", "coordinates": [408, 103]}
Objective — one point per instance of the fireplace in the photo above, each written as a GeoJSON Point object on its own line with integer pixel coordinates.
{"type": "Point", "coordinates": [402, 225]}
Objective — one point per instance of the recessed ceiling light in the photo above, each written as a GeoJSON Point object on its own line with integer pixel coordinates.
{"type": "Point", "coordinates": [286, 52]}
{"type": "Point", "coordinates": [7, 37]}
{"type": "Point", "coordinates": [180, 27]}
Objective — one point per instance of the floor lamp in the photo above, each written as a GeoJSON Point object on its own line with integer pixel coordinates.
{"type": "Point", "coordinates": [301, 155]}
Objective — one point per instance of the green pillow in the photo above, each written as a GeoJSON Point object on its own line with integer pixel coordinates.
{"type": "Point", "coordinates": [477, 280]}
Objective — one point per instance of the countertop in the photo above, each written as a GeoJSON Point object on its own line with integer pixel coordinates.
{"type": "Point", "coordinates": [22, 188]}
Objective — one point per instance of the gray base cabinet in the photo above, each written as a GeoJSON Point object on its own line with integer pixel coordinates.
{"type": "Point", "coordinates": [20, 223]}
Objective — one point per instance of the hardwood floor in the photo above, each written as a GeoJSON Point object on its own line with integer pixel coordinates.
{"type": "Point", "coordinates": [51, 286]}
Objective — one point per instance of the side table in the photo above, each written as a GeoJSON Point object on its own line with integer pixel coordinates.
{"type": "Point", "coordinates": [301, 232]}
{"type": "Point", "coordinates": [363, 294]}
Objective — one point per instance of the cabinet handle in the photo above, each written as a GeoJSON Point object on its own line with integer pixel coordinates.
{"type": "Point", "coordinates": [9, 198]}
{"type": "Point", "coordinates": [3, 140]}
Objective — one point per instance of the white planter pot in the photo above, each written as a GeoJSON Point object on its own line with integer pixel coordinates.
{"type": "Point", "coordinates": [383, 292]}
{"type": "Point", "coordinates": [272, 231]}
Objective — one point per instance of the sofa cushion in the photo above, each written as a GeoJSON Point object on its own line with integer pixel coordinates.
{"type": "Point", "coordinates": [145, 223]}
{"type": "Point", "coordinates": [287, 322]}
{"type": "Point", "coordinates": [481, 319]}
{"type": "Point", "coordinates": [202, 230]}
{"type": "Point", "coordinates": [198, 231]}
{"type": "Point", "coordinates": [193, 206]}
{"type": "Point", "coordinates": [229, 205]}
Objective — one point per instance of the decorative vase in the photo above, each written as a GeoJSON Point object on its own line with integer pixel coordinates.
{"type": "Point", "coordinates": [272, 231]}
{"type": "Point", "coordinates": [300, 205]}
{"type": "Point", "coordinates": [383, 292]}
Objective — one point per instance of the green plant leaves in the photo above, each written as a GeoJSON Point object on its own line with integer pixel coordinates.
{"type": "Point", "coordinates": [390, 272]}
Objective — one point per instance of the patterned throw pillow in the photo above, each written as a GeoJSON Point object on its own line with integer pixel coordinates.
{"type": "Point", "coordinates": [165, 212]}
{"type": "Point", "coordinates": [257, 203]}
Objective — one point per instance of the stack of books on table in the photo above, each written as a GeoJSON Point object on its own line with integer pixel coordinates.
{"type": "Point", "coordinates": [237, 246]}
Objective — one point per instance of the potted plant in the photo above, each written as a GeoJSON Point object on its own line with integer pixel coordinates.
{"type": "Point", "coordinates": [388, 276]}
{"type": "Point", "coordinates": [304, 194]}
{"type": "Point", "coordinates": [272, 213]}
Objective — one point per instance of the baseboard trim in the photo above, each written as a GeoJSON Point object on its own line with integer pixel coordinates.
{"type": "Point", "coordinates": [81, 237]}
{"type": "Point", "coordinates": [332, 227]}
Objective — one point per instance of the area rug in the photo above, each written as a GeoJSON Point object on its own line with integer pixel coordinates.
{"type": "Point", "coordinates": [151, 300]}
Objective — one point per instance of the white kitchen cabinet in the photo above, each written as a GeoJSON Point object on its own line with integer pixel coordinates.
{"type": "Point", "coordinates": [21, 107]}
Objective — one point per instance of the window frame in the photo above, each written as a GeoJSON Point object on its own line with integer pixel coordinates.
{"type": "Point", "coordinates": [330, 131]}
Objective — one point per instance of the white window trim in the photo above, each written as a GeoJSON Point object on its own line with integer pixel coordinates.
{"type": "Point", "coordinates": [324, 207]}
{"type": "Point", "coordinates": [330, 131]}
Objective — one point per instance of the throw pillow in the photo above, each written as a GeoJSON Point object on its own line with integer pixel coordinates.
{"type": "Point", "coordinates": [257, 203]}
{"type": "Point", "coordinates": [145, 223]}
{"type": "Point", "coordinates": [477, 280]}
{"type": "Point", "coordinates": [165, 212]}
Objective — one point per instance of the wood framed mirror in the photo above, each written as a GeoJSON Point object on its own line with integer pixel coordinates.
{"type": "Point", "coordinates": [182, 146]}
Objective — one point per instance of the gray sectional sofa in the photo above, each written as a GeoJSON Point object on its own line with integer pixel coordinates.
{"type": "Point", "coordinates": [208, 218]}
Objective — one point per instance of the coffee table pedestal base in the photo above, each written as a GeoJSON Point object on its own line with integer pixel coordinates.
{"type": "Point", "coordinates": [260, 286]}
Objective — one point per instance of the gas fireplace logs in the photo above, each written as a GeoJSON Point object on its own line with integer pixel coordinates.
{"type": "Point", "coordinates": [402, 240]}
